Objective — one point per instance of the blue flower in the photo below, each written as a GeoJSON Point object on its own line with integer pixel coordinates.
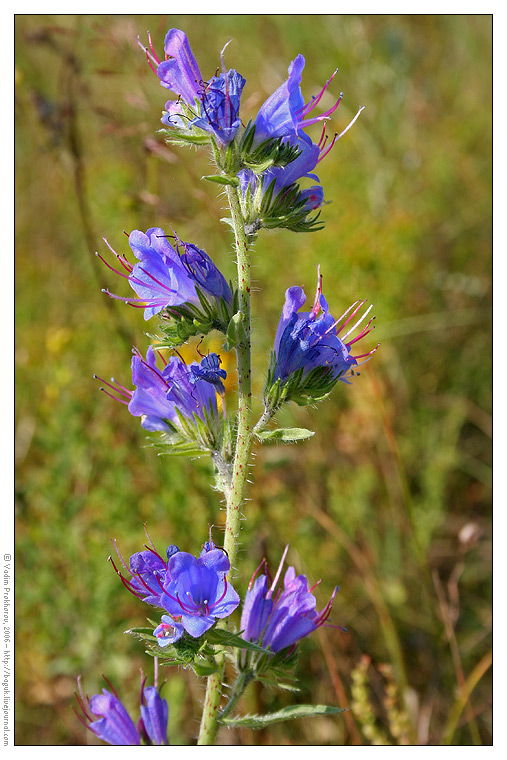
{"type": "Point", "coordinates": [148, 571]}
{"type": "Point", "coordinates": [154, 717]}
{"type": "Point", "coordinates": [193, 590]}
{"type": "Point", "coordinates": [217, 99]}
{"type": "Point", "coordinates": [306, 340]}
{"type": "Point", "coordinates": [169, 631]}
{"type": "Point", "coordinates": [219, 106]}
{"type": "Point", "coordinates": [209, 371]}
{"type": "Point", "coordinates": [115, 726]}
{"type": "Point", "coordinates": [196, 591]}
{"type": "Point", "coordinates": [165, 278]}
{"type": "Point", "coordinates": [159, 395]}
{"type": "Point", "coordinates": [277, 620]}
{"type": "Point", "coordinates": [284, 113]}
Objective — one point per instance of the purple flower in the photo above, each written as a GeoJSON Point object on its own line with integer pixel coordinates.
{"type": "Point", "coordinates": [169, 631]}
{"type": "Point", "coordinates": [196, 590]}
{"type": "Point", "coordinates": [209, 370]}
{"type": "Point", "coordinates": [154, 717]}
{"type": "Point", "coordinates": [306, 340]}
{"type": "Point", "coordinates": [164, 277]}
{"type": "Point", "coordinates": [218, 99]}
{"type": "Point", "coordinates": [279, 619]}
{"type": "Point", "coordinates": [285, 113]}
{"type": "Point", "coordinates": [148, 572]}
{"type": "Point", "coordinates": [114, 725]}
{"type": "Point", "coordinates": [159, 393]}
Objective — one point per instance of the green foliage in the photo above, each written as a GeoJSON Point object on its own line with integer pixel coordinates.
{"type": "Point", "coordinates": [286, 713]}
{"type": "Point", "coordinates": [284, 435]}
{"type": "Point", "coordinates": [402, 454]}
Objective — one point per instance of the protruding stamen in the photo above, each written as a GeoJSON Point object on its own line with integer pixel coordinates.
{"type": "Point", "coordinates": [357, 323]}
{"type": "Point", "coordinates": [316, 304]}
{"type": "Point", "coordinates": [278, 573]}
{"type": "Point", "coordinates": [316, 98]}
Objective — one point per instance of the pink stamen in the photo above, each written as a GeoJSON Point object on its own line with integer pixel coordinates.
{"type": "Point", "coordinates": [278, 573]}
{"type": "Point", "coordinates": [80, 700]}
{"type": "Point", "coordinates": [124, 581]}
{"type": "Point", "coordinates": [316, 99]}
{"type": "Point", "coordinates": [250, 585]}
{"type": "Point", "coordinates": [351, 330]}
{"type": "Point", "coordinates": [155, 552]}
{"type": "Point", "coordinates": [316, 304]}
{"type": "Point", "coordinates": [152, 50]}
{"type": "Point", "coordinates": [113, 541]}
{"type": "Point", "coordinates": [323, 152]}
{"type": "Point", "coordinates": [116, 271]}
{"type": "Point", "coordinates": [151, 57]}
{"type": "Point", "coordinates": [115, 398]}
{"type": "Point", "coordinates": [110, 686]}
{"type": "Point", "coordinates": [118, 388]}
{"type": "Point", "coordinates": [323, 138]}
{"type": "Point", "coordinates": [218, 600]}
{"type": "Point", "coordinates": [337, 137]}
{"type": "Point", "coordinates": [351, 316]}
{"type": "Point", "coordinates": [360, 356]}
{"type": "Point", "coordinates": [364, 332]}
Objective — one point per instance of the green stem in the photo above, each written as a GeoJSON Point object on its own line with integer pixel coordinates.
{"type": "Point", "coordinates": [239, 687]}
{"type": "Point", "coordinates": [236, 492]}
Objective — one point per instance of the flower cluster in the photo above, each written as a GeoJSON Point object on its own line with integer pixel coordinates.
{"type": "Point", "coordinates": [105, 715]}
{"type": "Point", "coordinates": [193, 590]}
{"type": "Point", "coordinates": [161, 397]}
{"type": "Point", "coordinates": [268, 168]}
{"type": "Point", "coordinates": [279, 619]}
{"type": "Point", "coordinates": [273, 153]}
{"type": "Point", "coordinates": [209, 105]}
{"type": "Point", "coordinates": [167, 278]}
{"type": "Point", "coordinates": [310, 355]}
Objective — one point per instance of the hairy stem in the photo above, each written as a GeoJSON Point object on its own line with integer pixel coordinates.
{"type": "Point", "coordinates": [235, 493]}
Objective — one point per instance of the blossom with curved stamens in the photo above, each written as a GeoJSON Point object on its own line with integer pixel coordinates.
{"type": "Point", "coordinates": [214, 104]}
{"type": "Point", "coordinates": [306, 340]}
{"type": "Point", "coordinates": [165, 276]}
{"type": "Point", "coordinates": [278, 619]}
{"type": "Point", "coordinates": [285, 113]}
{"type": "Point", "coordinates": [148, 571]}
{"type": "Point", "coordinates": [196, 590]}
{"type": "Point", "coordinates": [106, 716]}
{"type": "Point", "coordinates": [159, 395]}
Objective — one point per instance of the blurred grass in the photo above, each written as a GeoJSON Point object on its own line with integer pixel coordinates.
{"type": "Point", "coordinates": [391, 498]}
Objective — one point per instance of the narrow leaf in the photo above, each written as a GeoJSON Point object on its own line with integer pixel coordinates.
{"type": "Point", "coordinates": [221, 179]}
{"type": "Point", "coordinates": [229, 639]}
{"type": "Point", "coordinates": [287, 713]}
{"type": "Point", "coordinates": [285, 435]}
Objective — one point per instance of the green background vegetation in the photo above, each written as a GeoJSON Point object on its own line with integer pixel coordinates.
{"type": "Point", "coordinates": [391, 498]}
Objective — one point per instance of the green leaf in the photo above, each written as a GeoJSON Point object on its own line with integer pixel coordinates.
{"type": "Point", "coordinates": [222, 179]}
{"type": "Point", "coordinates": [287, 713]}
{"type": "Point", "coordinates": [229, 639]}
{"type": "Point", "coordinates": [285, 435]}
{"type": "Point", "coordinates": [236, 332]}
{"type": "Point", "coordinates": [204, 668]}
